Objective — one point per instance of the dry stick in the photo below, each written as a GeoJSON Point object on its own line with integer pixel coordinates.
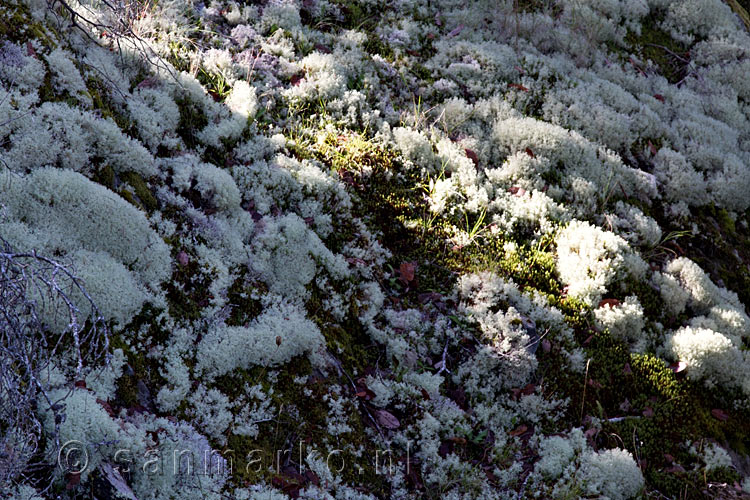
{"type": "Point", "coordinates": [669, 51]}
{"type": "Point", "coordinates": [585, 382]}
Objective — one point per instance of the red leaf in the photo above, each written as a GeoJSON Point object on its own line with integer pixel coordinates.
{"type": "Point", "coordinates": [668, 457]}
{"type": "Point", "coordinates": [407, 271]}
{"type": "Point", "coordinates": [296, 79]}
{"type": "Point", "coordinates": [530, 152]}
{"type": "Point", "coordinates": [518, 86]}
{"type": "Point", "coordinates": [720, 414]}
{"type": "Point", "coordinates": [472, 155]}
{"type": "Point", "coordinates": [425, 394]}
{"type": "Point", "coordinates": [648, 412]}
{"type": "Point", "coordinates": [278, 340]}
{"type": "Point", "coordinates": [659, 97]}
{"type": "Point", "coordinates": [365, 394]}
{"type": "Point", "coordinates": [546, 345]}
{"type": "Point", "coordinates": [626, 369]}
{"type": "Point", "coordinates": [612, 303]}
{"type": "Point", "coordinates": [652, 148]}
{"type": "Point", "coordinates": [517, 191]}
{"type": "Point", "coordinates": [30, 50]}
{"type": "Point", "coordinates": [518, 430]}
{"type": "Point", "coordinates": [80, 384]}
{"type": "Point", "coordinates": [387, 420]}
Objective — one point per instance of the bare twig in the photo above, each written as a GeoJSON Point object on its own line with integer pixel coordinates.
{"type": "Point", "coordinates": [33, 287]}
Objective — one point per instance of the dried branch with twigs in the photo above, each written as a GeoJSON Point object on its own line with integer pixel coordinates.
{"type": "Point", "coordinates": [31, 288]}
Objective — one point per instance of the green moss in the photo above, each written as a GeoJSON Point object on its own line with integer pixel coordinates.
{"type": "Point", "coordinates": [19, 26]}
{"type": "Point", "coordinates": [144, 198]}
{"type": "Point", "coordinates": [99, 93]}
{"type": "Point", "coordinates": [192, 120]}
{"type": "Point", "coordinates": [187, 291]}
{"type": "Point", "coordinates": [287, 433]}
{"type": "Point", "coordinates": [105, 176]}
{"type": "Point", "coordinates": [140, 368]}
{"type": "Point", "coordinates": [351, 152]}
{"type": "Point", "coordinates": [656, 45]}
{"type": "Point", "coordinates": [244, 307]}
{"type": "Point", "coordinates": [726, 222]}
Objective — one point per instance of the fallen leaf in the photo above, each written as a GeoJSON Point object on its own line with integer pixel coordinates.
{"type": "Point", "coordinates": [425, 394]}
{"type": "Point", "coordinates": [612, 303]}
{"type": "Point", "coordinates": [530, 152]}
{"type": "Point", "coordinates": [278, 340]}
{"type": "Point", "coordinates": [521, 429]}
{"type": "Point", "coordinates": [387, 420]}
{"type": "Point", "coordinates": [407, 271]}
{"type": "Point", "coordinates": [648, 412]}
{"type": "Point", "coordinates": [652, 148]}
{"type": "Point", "coordinates": [546, 345]}
{"type": "Point", "coordinates": [720, 414]}
{"type": "Point", "coordinates": [668, 457]}
{"type": "Point", "coordinates": [296, 79]}
{"type": "Point", "coordinates": [366, 394]}
{"type": "Point", "coordinates": [457, 440]}
{"type": "Point", "coordinates": [518, 86]}
{"type": "Point", "coordinates": [472, 156]}
{"type": "Point", "coordinates": [80, 384]}
{"type": "Point", "coordinates": [626, 369]}
{"type": "Point", "coordinates": [659, 97]}
{"type": "Point", "coordinates": [455, 31]}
